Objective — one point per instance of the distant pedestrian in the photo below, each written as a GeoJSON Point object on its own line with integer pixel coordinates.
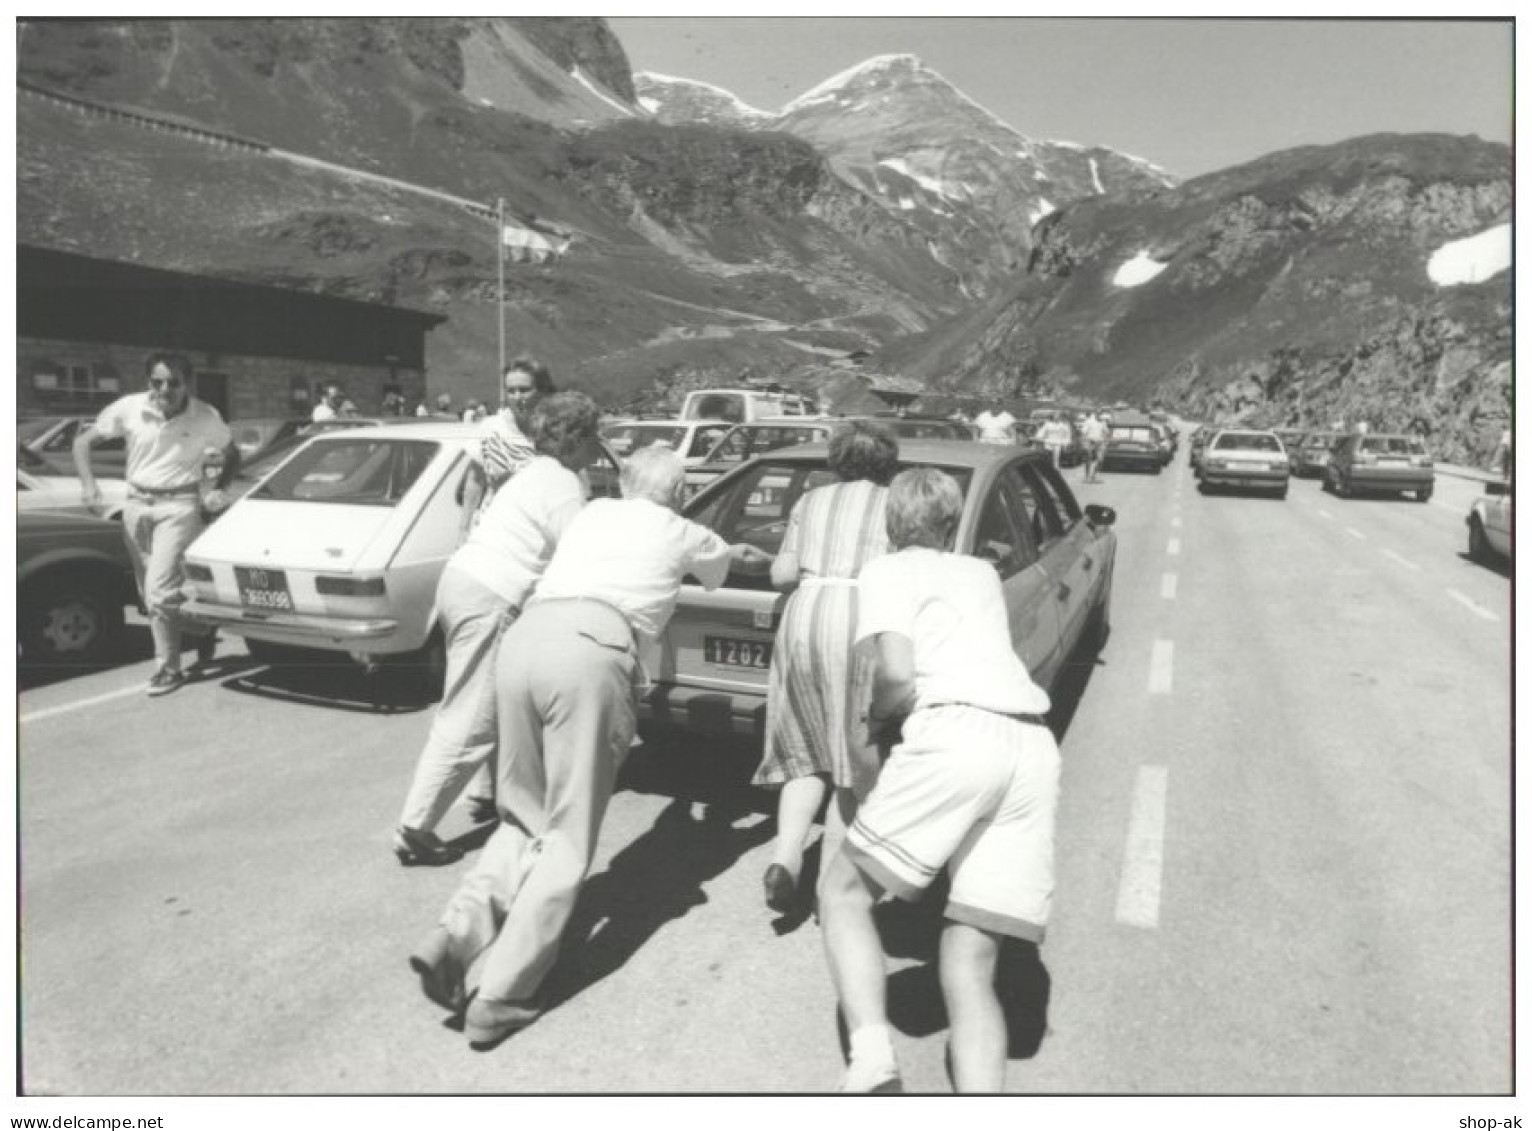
{"type": "Point", "coordinates": [1093, 433]}
{"type": "Point", "coordinates": [565, 680]}
{"type": "Point", "coordinates": [995, 424]}
{"type": "Point", "coordinates": [971, 786]}
{"type": "Point", "coordinates": [818, 689]}
{"type": "Point", "coordinates": [444, 404]}
{"type": "Point", "coordinates": [473, 412]}
{"type": "Point", "coordinates": [422, 410]}
{"type": "Point", "coordinates": [1502, 461]}
{"type": "Point", "coordinates": [480, 594]}
{"type": "Point", "coordinates": [1054, 434]}
{"type": "Point", "coordinates": [171, 436]}
{"type": "Point", "coordinates": [331, 402]}
{"type": "Point", "coordinates": [393, 404]}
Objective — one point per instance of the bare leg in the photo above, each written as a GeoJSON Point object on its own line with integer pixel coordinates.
{"type": "Point", "coordinates": [796, 806]}
{"type": "Point", "coordinates": [841, 813]}
{"type": "Point", "coordinates": [855, 953]}
{"type": "Point", "coordinates": [967, 966]}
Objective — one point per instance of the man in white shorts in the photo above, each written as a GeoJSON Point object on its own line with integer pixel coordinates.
{"type": "Point", "coordinates": [972, 786]}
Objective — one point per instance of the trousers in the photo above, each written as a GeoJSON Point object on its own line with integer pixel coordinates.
{"type": "Point", "coordinates": [564, 681]}
{"type": "Point", "coordinates": [158, 531]}
{"type": "Point", "coordinates": [461, 745]}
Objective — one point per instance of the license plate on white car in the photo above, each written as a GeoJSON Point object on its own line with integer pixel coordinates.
{"type": "Point", "coordinates": [733, 653]}
{"type": "Point", "coordinates": [263, 589]}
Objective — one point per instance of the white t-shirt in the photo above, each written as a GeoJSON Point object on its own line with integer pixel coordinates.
{"type": "Point", "coordinates": [1094, 430]}
{"type": "Point", "coordinates": [632, 554]}
{"type": "Point", "coordinates": [164, 454]}
{"type": "Point", "coordinates": [952, 610]}
{"type": "Point", "coordinates": [995, 428]}
{"type": "Point", "coordinates": [518, 531]}
{"type": "Point", "coordinates": [323, 411]}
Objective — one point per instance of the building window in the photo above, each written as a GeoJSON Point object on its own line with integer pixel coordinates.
{"type": "Point", "coordinates": [73, 381]}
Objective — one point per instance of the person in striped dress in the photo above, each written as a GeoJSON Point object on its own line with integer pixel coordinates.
{"type": "Point", "coordinates": [818, 689]}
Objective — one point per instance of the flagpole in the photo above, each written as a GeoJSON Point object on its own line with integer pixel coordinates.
{"type": "Point", "coordinates": [500, 294]}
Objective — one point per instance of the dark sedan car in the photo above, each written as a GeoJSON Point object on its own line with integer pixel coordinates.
{"type": "Point", "coordinates": [1133, 444]}
{"type": "Point", "coordinates": [73, 577]}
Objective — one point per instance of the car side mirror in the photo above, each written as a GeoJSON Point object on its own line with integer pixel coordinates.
{"type": "Point", "coordinates": [1098, 515]}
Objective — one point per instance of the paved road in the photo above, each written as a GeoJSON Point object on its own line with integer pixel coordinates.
{"type": "Point", "coordinates": [1284, 859]}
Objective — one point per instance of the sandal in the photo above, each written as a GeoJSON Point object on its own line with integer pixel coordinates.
{"type": "Point", "coordinates": [412, 846]}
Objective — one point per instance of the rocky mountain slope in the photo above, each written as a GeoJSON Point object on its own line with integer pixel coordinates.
{"type": "Point", "coordinates": [1296, 289]}
{"type": "Point", "coordinates": [905, 136]}
{"type": "Point", "coordinates": [694, 248]}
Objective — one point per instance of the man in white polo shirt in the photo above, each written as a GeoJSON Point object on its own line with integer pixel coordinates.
{"type": "Point", "coordinates": [171, 436]}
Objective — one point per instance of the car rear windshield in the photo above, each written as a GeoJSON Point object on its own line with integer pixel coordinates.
{"type": "Point", "coordinates": [1393, 446]}
{"type": "Point", "coordinates": [929, 430]}
{"type": "Point", "coordinates": [626, 439]}
{"type": "Point", "coordinates": [1247, 442]}
{"type": "Point", "coordinates": [755, 507]}
{"type": "Point", "coordinates": [1144, 435]}
{"type": "Point", "coordinates": [355, 471]}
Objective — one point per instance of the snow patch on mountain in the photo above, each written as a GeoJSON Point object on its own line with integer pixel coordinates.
{"type": "Point", "coordinates": [930, 184]}
{"type": "Point", "coordinates": [1095, 176]}
{"type": "Point", "coordinates": [1473, 259]}
{"type": "Point", "coordinates": [1138, 270]}
{"type": "Point", "coordinates": [739, 104]}
{"type": "Point", "coordinates": [1042, 208]}
{"type": "Point", "coordinates": [830, 89]}
{"type": "Point", "coordinates": [650, 104]}
{"type": "Point", "coordinates": [579, 77]}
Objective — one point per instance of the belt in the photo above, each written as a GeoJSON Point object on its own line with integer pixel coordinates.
{"type": "Point", "coordinates": [1034, 720]}
{"type": "Point", "coordinates": [158, 492]}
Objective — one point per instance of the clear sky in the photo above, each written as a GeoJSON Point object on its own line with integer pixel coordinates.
{"type": "Point", "coordinates": [1191, 95]}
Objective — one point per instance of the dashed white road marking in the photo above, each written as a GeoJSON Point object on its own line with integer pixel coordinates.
{"type": "Point", "coordinates": [1168, 587]}
{"type": "Point", "coordinates": [1143, 858]}
{"type": "Point", "coordinates": [1173, 547]}
{"type": "Point", "coordinates": [1355, 533]}
{"type": "Point", "coordinates": [1162, 667]}
{"type": "Point", "coordinates": [1472, 605]}
{"type": "Point", "coordinates": [1176, 521]}
{"type": "Point", "coordinates": [1324, 513]}
{"type": "Point", "coordinates": [1402, 560]}
{"type": "Point", "coordinates": [65, 708]}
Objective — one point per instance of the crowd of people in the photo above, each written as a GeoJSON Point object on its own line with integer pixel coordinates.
{"type": "Point", "coordinates": [893, 692]}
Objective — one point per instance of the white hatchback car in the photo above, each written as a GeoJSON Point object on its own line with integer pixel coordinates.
{"type": "Point", "coordinates": [340, 546]}
{"type": "Point", "coordinates": [693, 439]}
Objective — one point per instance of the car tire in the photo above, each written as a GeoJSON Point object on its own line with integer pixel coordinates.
{"type": "Point", "coordinates": [1423, 495]}
{"type": "Point", "coordinates": [1204, 487]}
{"type": "Point", "coordinates": [426, 666]}
{"type": "Point", "coordinates": [1478, 542]}
{"type": "Point", "coordinates": [1281, 494]}
{"type": "Point", "coordinates": [73, 617]}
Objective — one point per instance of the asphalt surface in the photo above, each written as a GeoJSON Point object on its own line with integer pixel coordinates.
{"type": "Point", "coordinates": [1284, 858]}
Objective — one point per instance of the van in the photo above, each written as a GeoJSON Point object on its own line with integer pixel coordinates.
{"type": "Point", "coordinates": [739, 406]}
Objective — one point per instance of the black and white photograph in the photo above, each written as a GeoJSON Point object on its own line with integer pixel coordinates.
{"type": "Point", "coordinates": [563, 557]}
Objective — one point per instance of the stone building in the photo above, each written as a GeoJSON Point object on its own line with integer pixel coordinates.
{"type": "Point", "coordinates": [84, 328]}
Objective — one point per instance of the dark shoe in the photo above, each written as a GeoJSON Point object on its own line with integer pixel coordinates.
{"type": "Point", "coordinates": [164, 681]}
{"type": "Point", "coordinates": [412, 846]}
{"type": "Point", "coordinates": [441, 971]}
{"type": "Point", "coordinates": [781, 889]}
{"type": "Point", "coordinates": [483, 811]}
{"type": "Point", "coordinates": [489, 1022]}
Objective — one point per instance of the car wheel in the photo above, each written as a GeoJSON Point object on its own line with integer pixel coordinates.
{"type": "Point", "coordinates": [71, 618]}
{"type": "Point", "coordinates": [1281, 493]}
{"type": "Point", "coordinates": [1478, 544]}
{"type": "Point", "coordinates": [1204, 487]}
{"type": "Point", "coordinates": [1423, 495]}
{"type": "Point", "coordinates": [426, 667]}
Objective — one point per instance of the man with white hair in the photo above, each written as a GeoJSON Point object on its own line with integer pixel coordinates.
{"type": "Point", "coordinates": [565, 679]}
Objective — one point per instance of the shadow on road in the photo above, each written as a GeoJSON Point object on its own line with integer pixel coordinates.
{"type": "Point", "coordinates": [656, 879]}
{"type": "Point", "coordinates": [341, 684]}
{"type": "Point", "coordinates": [1069, 690]}
{"type": "Point", "coordinates": [136, 646]}
{"type": "Point", "coordinates": [714, 771]}
{"type": "Point", "coordinates": [1500, 567]}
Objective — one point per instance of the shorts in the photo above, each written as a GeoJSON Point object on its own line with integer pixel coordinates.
{"type": "Point", "coordinates": [976, 792]}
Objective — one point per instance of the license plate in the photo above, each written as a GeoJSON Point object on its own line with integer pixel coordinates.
{"type": "Point", "coordinates": [263, 589]}
{"type": "Point", "coordinates": [733, 653]}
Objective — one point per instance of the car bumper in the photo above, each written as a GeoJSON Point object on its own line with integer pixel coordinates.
{"type": "Point", "coordinates": [341, 634]}
{"type": "Point", "coordinates": [704, 710]}
{"type": "Point", "coordinates": [1149, 460]}
{"type": "Point", "coordinates": [1243, 477]}
{"type": "Point", "coordinates": [1391, 478]}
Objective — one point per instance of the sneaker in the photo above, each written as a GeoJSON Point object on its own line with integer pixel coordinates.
{"type": "Point", "coordinates": [164, 681]}
{"type": "Point", "coordinates": [875, 1080]}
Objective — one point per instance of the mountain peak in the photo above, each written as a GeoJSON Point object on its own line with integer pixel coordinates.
{"type": "Point", "coordinates": [865, 72]}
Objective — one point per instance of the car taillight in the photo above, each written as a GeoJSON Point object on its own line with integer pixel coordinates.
{"type": "Point", "coordinates": [196, 571]}
{"type": "Point", "coordinates": [332, 586]}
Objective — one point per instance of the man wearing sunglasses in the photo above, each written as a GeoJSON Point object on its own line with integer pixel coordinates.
{"type": "Point", "coordinates": [171, 438]}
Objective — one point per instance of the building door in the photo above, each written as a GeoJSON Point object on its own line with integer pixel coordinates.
{"type": "Point", "coordinates": [213, 389]}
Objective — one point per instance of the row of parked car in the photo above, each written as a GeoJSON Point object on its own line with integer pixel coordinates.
{"type": "Point", "coordinates": [337, 546]}
{"type": "Point", "coordinates": [1350, 463]}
